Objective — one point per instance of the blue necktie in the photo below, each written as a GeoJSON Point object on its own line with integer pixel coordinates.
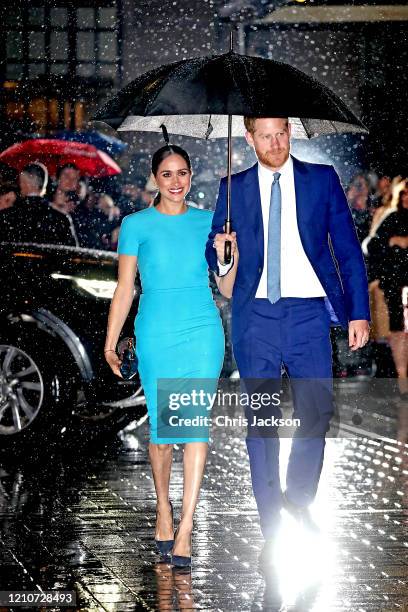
{"type": "Point", "coordinates": [274, 241]}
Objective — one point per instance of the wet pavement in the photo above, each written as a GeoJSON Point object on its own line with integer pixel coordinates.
{"type": "Point", "coordinates": [81, 517]}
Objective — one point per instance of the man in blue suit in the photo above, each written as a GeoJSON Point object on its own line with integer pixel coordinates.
{"type": "Point", "coordinates": [297, 259]}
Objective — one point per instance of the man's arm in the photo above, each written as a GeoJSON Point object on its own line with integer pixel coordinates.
{"type": "Point", "coordinates": [349, 256]}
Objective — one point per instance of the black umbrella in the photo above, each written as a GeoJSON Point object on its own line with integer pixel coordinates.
{"type": "Point", "coordinates": [207, 97]}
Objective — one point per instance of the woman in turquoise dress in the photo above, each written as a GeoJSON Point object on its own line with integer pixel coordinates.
{"type": "Point", "coordinates": [179, 335]}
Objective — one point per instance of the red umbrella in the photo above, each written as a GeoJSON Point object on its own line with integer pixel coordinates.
{"type": "Point", "coordinates": [53, 153]}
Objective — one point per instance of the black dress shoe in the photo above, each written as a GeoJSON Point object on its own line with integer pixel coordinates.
{"type": "Point", "coordinates": [301, 514]}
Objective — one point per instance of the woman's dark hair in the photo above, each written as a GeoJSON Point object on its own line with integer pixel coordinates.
{"type": "Point", "coordinates": [160, 155]}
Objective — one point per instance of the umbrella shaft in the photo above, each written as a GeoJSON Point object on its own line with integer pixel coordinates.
{"type": "Point", "coordinates": [229, 168]}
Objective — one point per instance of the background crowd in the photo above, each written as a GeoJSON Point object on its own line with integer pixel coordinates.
{"type": "Point", "coordinates": [70, 210]}
{"type": "Point", "coordinates": [74, 210]}
{"type": "Point", "coordinates": [380, 211]}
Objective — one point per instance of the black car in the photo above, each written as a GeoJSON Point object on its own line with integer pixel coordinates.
{"type": "Point", "coordinates": [53, 313]}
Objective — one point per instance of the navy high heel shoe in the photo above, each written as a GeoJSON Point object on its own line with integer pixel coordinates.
{"type": "Point", "coordinates": [178, 561]}
{"type": "Point", "coordinates": [165, 547]}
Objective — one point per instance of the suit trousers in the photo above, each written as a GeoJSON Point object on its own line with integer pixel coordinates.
{"type": "Point", "coordinates": [293, 333]}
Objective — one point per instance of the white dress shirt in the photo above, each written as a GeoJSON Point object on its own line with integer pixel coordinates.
{"type": "Point", "coordinates": [298, 279]}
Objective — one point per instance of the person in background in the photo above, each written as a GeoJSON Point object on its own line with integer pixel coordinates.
{"type": "Point", "coordinates": [31, 218]}
{"type": "Point", "coordinates": [107, 206]}
{"type": "Point", "coordinates": [65, 201]}
{"type": "Point", "coordinates": [149, 192]}
{"type": "Point", "coordinates": [389, 248]}
{"type": "Point", "coordinates": [358, 199]}
{"type": "Point", "coordinates": [387, 205]}
{"type": "Point", "coordinates": [380, 329]}
{"type": "Point", "coordinates": [8, 195]}
{"type": "Point", "coordinates": [67, 193]}
{"type": "Point", "coordinates": [131, 197]}
{"type": "Point", "coordinates": [114, 237]}
{"type": "Point", "coordinates": [90, 223]}
{"type": "Point", "coordinates": [111, 214]}
{"type": "Point", "coordinates": [68, 177]}
{"type": "Point", "coordinates": [382, 192]}
{"type": "Point", "coordinates": [83, 189]}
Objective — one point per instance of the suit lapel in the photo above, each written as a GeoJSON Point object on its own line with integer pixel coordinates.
{"type": "Point", "coordinates": [252, 199]}
{"type": "Point", "coordinates": [302, 187]}
{"type": "Point", "coordinates": [253, 209]}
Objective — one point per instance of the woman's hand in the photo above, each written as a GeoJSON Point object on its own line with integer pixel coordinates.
{"type": "Point", "coordinates": [219, 245]}
{"type": "Point", "coordinates": [114, 362]}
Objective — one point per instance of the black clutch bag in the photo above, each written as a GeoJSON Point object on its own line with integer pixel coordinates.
{"type": "Point", "coordinates": [127, 354]}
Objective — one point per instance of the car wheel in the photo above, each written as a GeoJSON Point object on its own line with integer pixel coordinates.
{"type": "Point", "coordinates": [36, 389]}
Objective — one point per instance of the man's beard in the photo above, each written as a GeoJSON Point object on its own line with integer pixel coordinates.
{"type": "Point", "coordinates": [273, 160]}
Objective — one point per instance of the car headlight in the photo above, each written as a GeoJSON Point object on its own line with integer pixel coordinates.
{"type": "Point", "coordinates": [98, 288]}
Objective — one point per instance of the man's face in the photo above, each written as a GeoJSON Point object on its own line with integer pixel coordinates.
{"type": "Point", "coordinates": [271, 141]}
{"type": "Point", "coordinates": [69, 180]}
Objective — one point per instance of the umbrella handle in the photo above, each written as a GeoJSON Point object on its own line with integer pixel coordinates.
{"type": "Point", "coordinates": [227, 244]}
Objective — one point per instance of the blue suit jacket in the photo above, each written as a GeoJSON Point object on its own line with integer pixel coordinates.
{"type": "Point", "coordinates": [322, 212]}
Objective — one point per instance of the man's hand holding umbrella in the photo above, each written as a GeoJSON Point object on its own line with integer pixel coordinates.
{"type": "Point", "coordinates": [219, 245]}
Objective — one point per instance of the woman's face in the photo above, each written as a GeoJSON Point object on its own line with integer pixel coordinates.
{"type": "Point", "coordinates": [173, 178]}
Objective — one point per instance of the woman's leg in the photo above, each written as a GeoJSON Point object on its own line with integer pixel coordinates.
{"type": "Point", "coordinates": [399, 348]}
{"type": "Point", "coordinates": [195, 455]}
{"type": "Point", "coordinates": [161, 457]}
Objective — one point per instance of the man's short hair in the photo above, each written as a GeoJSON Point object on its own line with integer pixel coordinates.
{"type": "Point", "coordinates": [61, 169]}
{"type": "Point", "coordinates": [249, 123]}
{"type": "Point", "coordinates": [36, 172]}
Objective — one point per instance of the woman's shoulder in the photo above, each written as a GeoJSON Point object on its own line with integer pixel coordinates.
{"type": "Point", "coordinates": [140, 217]}
{"type": "Point", "coordinates": [201, 213]}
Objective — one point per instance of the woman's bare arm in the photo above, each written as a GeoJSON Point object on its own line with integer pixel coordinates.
{"type": "Point", "coordinates": [120, 307]}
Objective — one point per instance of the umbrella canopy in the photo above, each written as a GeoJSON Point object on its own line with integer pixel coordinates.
{"type": "Point", "coordinates": [202, 91]}
{"type": "Point", "coordinates": [103, 142]}
{"type": "Point", "coordinates": [55, 153]}
{"type": "Point", "coordinates": [208, 96]}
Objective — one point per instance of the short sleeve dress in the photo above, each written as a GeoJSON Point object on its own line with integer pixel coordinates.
{"type": "Point", "coordinates": [178, 329]}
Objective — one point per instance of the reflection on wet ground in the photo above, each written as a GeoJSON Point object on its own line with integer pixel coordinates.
{"type": "Point", "coordinates": [82, 518]}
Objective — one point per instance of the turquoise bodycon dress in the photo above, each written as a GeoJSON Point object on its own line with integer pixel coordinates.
{"type": "Point", "coordinates": [178, 329]}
